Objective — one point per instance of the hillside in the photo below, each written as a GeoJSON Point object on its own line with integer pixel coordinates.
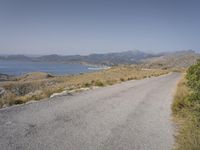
{"type": "Point", "coordinates": [36, 86]}
{"type": "Point", "coordinates": [179, 59]}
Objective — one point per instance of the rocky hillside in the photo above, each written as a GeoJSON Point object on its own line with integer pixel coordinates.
{"type": "Point", "coordinates": [180, 59]}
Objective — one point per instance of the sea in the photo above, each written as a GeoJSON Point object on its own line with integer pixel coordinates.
{"type": "Point", "coordinates": [17, 68]}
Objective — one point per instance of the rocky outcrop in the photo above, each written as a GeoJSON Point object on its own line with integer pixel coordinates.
{"type": "Point", "coordinates": [2, 91]}
{"type": "Point", "coordinates": [4, 77]}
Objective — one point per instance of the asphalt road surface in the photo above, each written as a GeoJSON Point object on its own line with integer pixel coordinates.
{"type": "Point", "coordinates": [133, 115]}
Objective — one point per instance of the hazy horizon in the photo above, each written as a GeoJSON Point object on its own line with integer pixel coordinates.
{"type": "Point", "coordinates": [148, 52]}
{"type": "Point", "coordinates": [35, 27]}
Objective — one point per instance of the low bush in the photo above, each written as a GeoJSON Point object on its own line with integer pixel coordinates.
{"type": "Point", "coordinates": [87, 84]}
{"type": "Point", "coordinates": [122, 79]}
{"type": "Point", "coordinates": [98, 83]}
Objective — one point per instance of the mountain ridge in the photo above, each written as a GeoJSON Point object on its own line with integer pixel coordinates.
{"type": "Point", "coordinates": [184, 57]}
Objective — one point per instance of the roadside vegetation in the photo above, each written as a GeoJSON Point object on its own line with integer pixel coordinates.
{"type": "Point", "coordinates": [186, 109]}
{"type": "Point", "coordinates": [36, 86]}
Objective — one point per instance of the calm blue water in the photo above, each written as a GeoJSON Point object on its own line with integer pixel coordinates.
{"type": "Point", "coordinates": [19, 68]}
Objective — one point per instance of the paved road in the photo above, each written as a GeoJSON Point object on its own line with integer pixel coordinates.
{"type": "Point", "coordinates": [134, 115]}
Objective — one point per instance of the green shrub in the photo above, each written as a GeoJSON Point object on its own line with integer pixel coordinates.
{"type": "Point", "coordinates": [87, 85]}
{"type": "Point", "coordinates": [193, 77]}
{"type": "Point", "coordinates": [18, 101]}
{"type": "Point", "coordinates": [99, 83]}
{"type": "Point", "coordinates": [122, 79]}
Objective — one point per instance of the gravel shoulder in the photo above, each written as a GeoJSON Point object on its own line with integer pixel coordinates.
{"type": "Point", "coordinates": [134, 115]}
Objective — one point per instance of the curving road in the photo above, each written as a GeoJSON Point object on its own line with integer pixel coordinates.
{"type": "Point", "coordinates": [133, 115]}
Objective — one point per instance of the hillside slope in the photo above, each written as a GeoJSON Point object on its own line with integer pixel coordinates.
{"type": "Point", "coordinates": [180, 59]}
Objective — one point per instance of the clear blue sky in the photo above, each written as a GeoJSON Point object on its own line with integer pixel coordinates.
{"type": "Point", "coordinates": [89, 26]}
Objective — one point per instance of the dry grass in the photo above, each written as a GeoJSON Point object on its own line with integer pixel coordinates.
{"type": "Point", "coordinates": [187, 116]}
{"type": "Point", "coordinates": [182, 92]}
{"type": "Point", "coordinates": [30, 87]}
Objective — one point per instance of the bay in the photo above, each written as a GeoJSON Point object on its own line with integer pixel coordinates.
{"type": "Point", "coordinates": [23, 67]}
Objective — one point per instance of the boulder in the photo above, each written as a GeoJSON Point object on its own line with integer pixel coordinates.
{"type": "Point", "coordinates": [2, 91]}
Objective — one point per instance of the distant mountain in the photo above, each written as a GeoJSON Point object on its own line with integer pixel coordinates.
{"type": "Point", "coordinates": [15, 57]}
{"type": "Point", "coordinates": [128, 57]}
{"type": "Point", "coordinates": [167, 59]}
{"type": "Point", "coordinates": [179, 59]}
